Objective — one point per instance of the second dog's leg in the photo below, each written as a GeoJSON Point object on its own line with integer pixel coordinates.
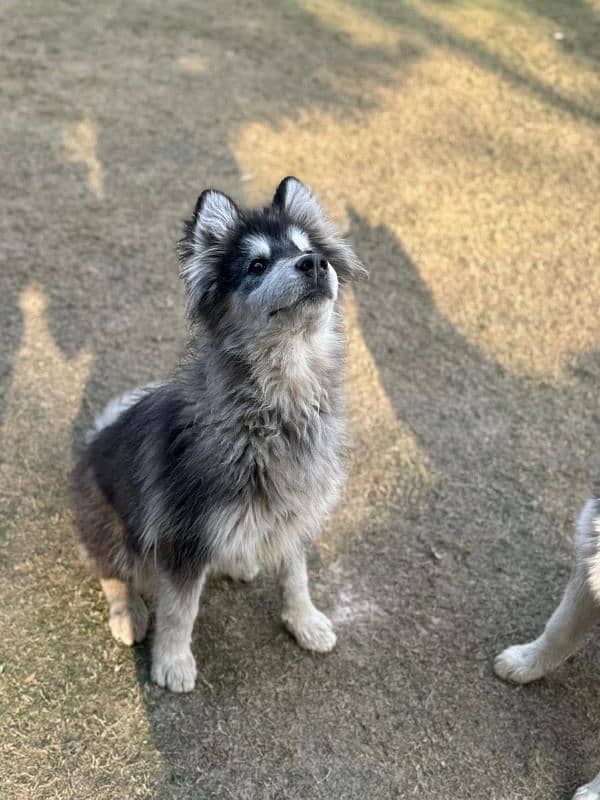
{"type": "Point", "coordinates": [312, 629]}
{"type": "Point", "coordinates": [591, 791]}
{"type": "Point", "coordinates": [563, 635]}
{"type": "Point", "coordinates": [173, 665]}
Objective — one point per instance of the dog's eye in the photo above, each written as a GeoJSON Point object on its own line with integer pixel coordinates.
{"type": "Point", "coordinates": [257, 266]}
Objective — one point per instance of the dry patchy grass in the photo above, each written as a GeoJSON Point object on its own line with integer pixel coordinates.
{"type": "Point", "coordinates": [459, 143]}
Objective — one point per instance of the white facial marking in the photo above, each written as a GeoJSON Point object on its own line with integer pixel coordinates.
{"type": "Point", "coordinates": [257, 246]}
{"type": "Point", "coordinates": [299, 238]}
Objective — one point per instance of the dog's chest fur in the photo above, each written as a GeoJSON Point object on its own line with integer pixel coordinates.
{"type": "Point", "coordinates": [280, 437]}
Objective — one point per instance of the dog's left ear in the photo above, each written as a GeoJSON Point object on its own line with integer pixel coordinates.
{"type": "Point", "coordinates": [205, 237]}
{"type": "Point", "coordinates": [297, 200]}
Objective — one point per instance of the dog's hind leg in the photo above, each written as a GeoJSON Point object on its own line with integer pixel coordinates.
{"type": "Point", "coordinates": [102, 540]}
{"type": "Point", "coordinates": [312, 629]}
{"type": "Point", "coordinates": [591, 791]}
{"type": "Point", "coordinates": [127, 612]}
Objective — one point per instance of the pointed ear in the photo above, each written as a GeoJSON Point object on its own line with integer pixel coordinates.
{"type": "Point", "coordinates": [205, 235]}
{"type": "Point", "coordinates": [297, 200]}
{"type": "Point", "coordinates": [215, 216]}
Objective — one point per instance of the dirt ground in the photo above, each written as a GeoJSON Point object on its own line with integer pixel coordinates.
{"type": "Point", "coordinates": [459, 144]}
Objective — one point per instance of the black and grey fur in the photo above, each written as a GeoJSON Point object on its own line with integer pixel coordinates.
{"type": "Point", "coordinates": [576, 614]}
{"type": "Point", "coordinates": [235, 462]}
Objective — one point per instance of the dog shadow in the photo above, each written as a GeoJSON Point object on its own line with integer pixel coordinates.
{"type": "Point", "coordinates": [509, 454]}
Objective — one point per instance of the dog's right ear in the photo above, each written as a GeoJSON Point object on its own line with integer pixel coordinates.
{"type": "Point", "coordinates": [295, 198]}
{"type": "Point", "coordinates": [205, 237]}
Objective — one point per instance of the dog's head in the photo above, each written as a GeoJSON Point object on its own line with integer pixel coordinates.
{"type": "Point", "coordinates": [264, 270]}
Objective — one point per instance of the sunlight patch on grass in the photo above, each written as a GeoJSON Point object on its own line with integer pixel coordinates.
{"type": "Point", "coordinates": [80, 142]}
{"type": "Point", "coordinates": [46, 388]}
{"type": "Point", "coordinates": [192, 63]}
{"type": "Point", "coordinates": [490, 206]}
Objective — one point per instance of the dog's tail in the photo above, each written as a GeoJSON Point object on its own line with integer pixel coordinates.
{"type": "Point", "coordinates": [115, 407]}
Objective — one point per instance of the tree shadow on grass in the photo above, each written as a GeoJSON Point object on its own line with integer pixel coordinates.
{"type": "Point", "coordinates": [87, 254]}
{"type": "Point", "coordinates": [265, 714]}
{"type": "Point", "coordinates": [579, 19]}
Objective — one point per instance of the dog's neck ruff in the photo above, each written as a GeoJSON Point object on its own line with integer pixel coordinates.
{"type": "Point", "coordinates": [291, 377]}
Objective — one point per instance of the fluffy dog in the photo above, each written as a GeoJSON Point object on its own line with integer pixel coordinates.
{"type": "Point", "coordinates": [565, 631]}
{"type": "Point", "coordinates": [233, 464]}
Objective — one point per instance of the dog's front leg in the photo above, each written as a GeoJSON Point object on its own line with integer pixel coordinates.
{"type": "Point", "coordinates": [564, 633]}
{"type": "Point", "coordinates": [591, 791]}
{"type": "Point", "coordinates": [173, 665]}
{"type": "Point", "coordinates": [312, 629]}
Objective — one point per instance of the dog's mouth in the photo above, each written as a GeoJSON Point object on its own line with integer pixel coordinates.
{"type": "Point", "coordinates": [310, 298]}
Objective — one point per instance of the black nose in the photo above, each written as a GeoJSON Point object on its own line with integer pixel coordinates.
{"type": "Point", "coordinates": [312, 262]}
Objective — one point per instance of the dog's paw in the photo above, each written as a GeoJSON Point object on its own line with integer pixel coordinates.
{"type": "Point", "coordinates": [520, 663]}
{"type": "Point", "coordinates": [243, 573]}
{"type": "Point", "coordinates": [587, 792]}
{"type": "Point", "coordinates": [313, 631]}
{"type": "Point", "coordinates": [177, 673]}
{"type": "Point", "coordinates": [129, 623]}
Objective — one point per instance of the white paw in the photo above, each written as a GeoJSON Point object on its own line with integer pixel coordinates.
{"type": "Point", "coordinates": [587, 792]}
{"type": "Point", "coordinates": [520, 663]}
{"type": "Point", "coordinates": [129, 623]}
{"type": "Point", "coordinates": [312, 630]}
{"type": "Point", "coordinates": [244, 573]}
{"type": "Point", "coordinates": [176, 673]}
